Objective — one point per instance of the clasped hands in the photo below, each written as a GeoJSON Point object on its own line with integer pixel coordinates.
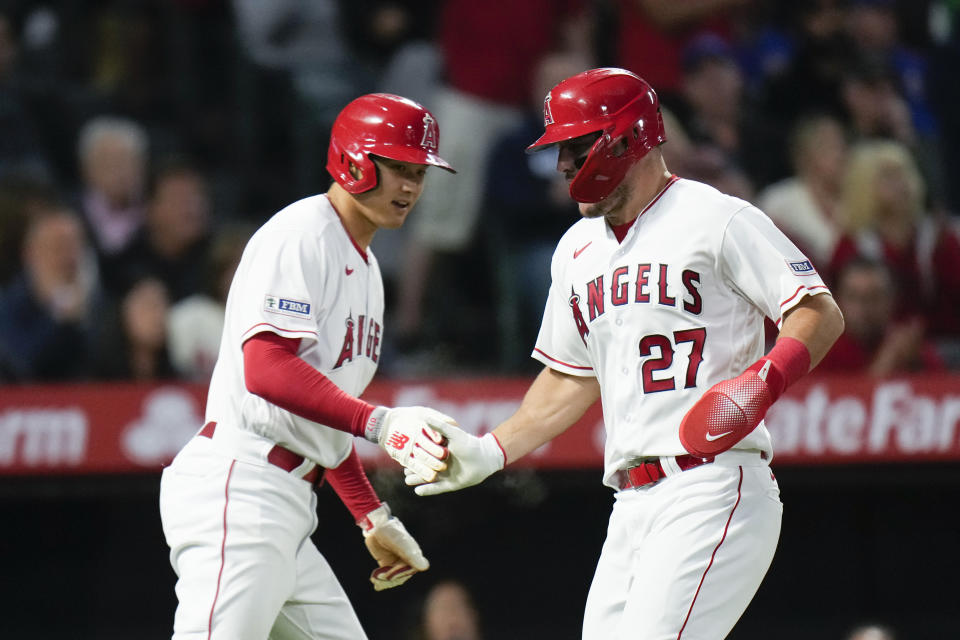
{"type": "Point", "coordinates": [437, 455]}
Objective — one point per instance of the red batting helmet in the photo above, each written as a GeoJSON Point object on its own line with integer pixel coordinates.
{"type": "Point", "coordinates": [614, 102]}
{"type": "Point", "coordinates": [384, 125]}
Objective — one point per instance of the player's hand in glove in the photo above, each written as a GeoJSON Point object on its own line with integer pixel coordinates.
{"type": "Point", "coordinates": [409, 435]}
{"type": "Point", "coordinates": [471, 461]}
{"type": "Point", "coordinates": [731, 409]}
{"type": "Point", "coordinates": [396, 552]}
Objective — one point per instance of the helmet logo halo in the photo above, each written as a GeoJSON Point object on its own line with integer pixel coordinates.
{"type": "Point", "coordinates": [547, 113]}
{"type": "Point", "coordinates": [429, 140]}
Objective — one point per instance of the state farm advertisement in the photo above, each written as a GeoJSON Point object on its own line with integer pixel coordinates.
{"type": "Point", "coordinates": [131, 428]}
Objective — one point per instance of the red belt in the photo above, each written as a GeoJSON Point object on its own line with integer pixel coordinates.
{"type": "Point", "coordinates": [278, 456]}
{"type": "Point", "coordinates": [652, 471]}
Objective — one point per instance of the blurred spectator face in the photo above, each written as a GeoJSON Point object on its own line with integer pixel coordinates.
{"type": "Point", "coordinates": [865, 295]}
{"type": "Point", "coordinates": [115, 168]}
{"type": "Point", "coordinates": [894, 190]}
{"type": "Point", "coordinates": [822, 151]}
{"type": "Point", "coordinates": [144, 314]}
{"type": "Point", "coordinates": [179, 212]}
{"type": "Point", "coordinates": [53, 247]}
{"type": "Point", "coordinates": [714, 87]}
{"type": "Point", "coordinates": [874, 104]}
{"type": "Point", "coordinates": [449, 614]}
{"type": "Point", "coordinates": [872, 24]}
{"type": "Point", "coordinates": [823, 19]}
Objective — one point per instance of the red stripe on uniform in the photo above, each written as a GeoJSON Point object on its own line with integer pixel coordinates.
{"type": "Point", "coordinates": [713, 555]}
{"type": "Point", "coordinates": [816, 286]}
{"type": "Point", "coordinates": [801, 288]}
{"type": "Point", "coordinates": [223, 549]}
{"type": "Point", "coordinates": [572, 366]}
{"type": "Point", "coordinates": [273, 326]}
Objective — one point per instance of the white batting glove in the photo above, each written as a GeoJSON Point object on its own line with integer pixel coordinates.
{"type": "Point", "coordinates": [409, 436]}
{"type": "Point", "coordinates": [396, 552]}
{"type": "Point", "coordinates": [471, 461]}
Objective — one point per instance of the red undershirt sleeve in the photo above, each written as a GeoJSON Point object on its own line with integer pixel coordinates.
{"type": "Point", "coordinates": [350, 482]}
{"type": "Point", "coordinates": [273, 371]}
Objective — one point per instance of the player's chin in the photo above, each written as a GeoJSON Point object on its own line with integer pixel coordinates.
{"type": "Point", "coordinates": [591, 209]}
{"type": "Point", "coordinates": [398, 213]}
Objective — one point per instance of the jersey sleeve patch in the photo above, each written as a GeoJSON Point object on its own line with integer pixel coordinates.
{"type": "Point", "coordinates": [802, 267]}
{"type": "Point", "coordinates": [286, 306]}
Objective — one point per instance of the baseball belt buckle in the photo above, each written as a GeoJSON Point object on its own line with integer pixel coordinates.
{"type": "Point", "coordinates": [642, 472]}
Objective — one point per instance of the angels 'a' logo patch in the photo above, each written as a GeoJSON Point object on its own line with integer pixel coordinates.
{"type": "Point", "coordinates": [286, 306]}
{"type": "Point", "coordinates": [578, 316]}
{"type": "Point", "coordinates": [430, 135]}
{"type": "Point", "coordinates": [547, 112]}
{"type": "Point", "coordinates": [802, 267]}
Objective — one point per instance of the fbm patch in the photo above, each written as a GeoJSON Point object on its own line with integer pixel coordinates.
{"type": "Point", "coordinates": [286, 307]}
{"type": "Point", "coordinates": [802, 267]}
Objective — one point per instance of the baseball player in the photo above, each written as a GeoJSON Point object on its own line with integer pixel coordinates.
{"type": "Point", "coordinates": [302, 337]}
{"type": "Point", "coordinates": [657, 307]}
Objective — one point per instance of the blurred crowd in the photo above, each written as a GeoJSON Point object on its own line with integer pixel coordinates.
{"type": "Point", "coordinates": [142, 141]}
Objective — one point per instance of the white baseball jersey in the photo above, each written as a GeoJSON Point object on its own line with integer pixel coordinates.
{"type": "Point", "coordinates": [301, 276]}
{"type": "Point", "coordinates": [675, 308]}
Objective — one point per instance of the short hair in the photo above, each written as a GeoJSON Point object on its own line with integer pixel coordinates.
{"type": "Point", "coordinates": [101, 127]}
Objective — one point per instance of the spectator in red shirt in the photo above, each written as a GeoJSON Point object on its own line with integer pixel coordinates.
{"type": "Point", "coordinates": [883, 218]}
{"type": "Point", "coordinates": [872, 342]}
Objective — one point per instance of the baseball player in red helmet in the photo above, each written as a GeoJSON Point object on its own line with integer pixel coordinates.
{"type": "Point", "coordinates": [657, 308]}
{"type": "Point", "coordinates": [301, 340]}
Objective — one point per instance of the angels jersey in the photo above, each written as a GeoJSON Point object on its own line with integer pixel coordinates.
{"type": "Point", "coordinates": [301, 276]}
{"type": "Point", "coordinates": [676, 307]}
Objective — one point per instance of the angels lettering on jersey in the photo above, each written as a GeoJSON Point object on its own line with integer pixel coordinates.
{"type": "Point", "coordinates": [645, 283]}
{"type": "Point", "coordinates": [648, 284]}
{"type": "Point", "coordinates": [361, 339]}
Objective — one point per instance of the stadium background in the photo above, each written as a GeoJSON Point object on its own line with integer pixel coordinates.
{"type": "Point", "coordinates": [82, 552]}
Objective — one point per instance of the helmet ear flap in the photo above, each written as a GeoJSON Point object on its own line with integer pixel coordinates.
{"type": "Point", "coordinates": [602, 171]}
{"type": "Point", "coordinates": [355, 172]}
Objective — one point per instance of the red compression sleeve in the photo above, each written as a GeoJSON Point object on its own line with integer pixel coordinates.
{"type": "Point", "coordinates": [273, 371]}
{"type": "Point", "coordinates": [789, 361]}
{"type": "Point", "coordinates": [350, 482]}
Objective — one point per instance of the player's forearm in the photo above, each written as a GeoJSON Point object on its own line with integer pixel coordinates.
{"type": "Point", "coordinates": [816, 322]}
{"type": "Point", "coordinates": [273, 371]}
{"type": "Point", "coordinates": [353, 487]}
{"type": "Point", "coordinates": [554, 402]}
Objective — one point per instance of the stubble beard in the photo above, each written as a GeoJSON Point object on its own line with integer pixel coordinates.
{"type": "Point", "coordinates": [609, 207]}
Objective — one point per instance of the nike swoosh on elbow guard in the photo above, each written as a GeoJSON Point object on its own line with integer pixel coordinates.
{"type": "Point", "coordinates": [711, 437]}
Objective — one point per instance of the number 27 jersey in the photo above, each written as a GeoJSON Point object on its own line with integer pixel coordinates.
{"type": "Point", "coordinates": [676, 307]}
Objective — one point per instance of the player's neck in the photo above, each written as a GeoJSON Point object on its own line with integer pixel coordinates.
{"type": "Point", "coordinates": [647, 179]}
{"type": "Point", "coordinates": [356, 224]}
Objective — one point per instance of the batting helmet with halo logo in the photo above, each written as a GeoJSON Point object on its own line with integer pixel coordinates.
{"type": "Point", "coordinates": [384, 125]}
{"type": "Point", "coordinates": [617, 104]}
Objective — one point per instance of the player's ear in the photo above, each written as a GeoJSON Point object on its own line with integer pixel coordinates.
{"type": "Point", "coordinates": [355, 171]}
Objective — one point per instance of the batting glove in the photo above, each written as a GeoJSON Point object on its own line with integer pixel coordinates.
{"type": "Point", "coordinates": [472, 460]}
{"type": "Point", "coordinates": [396, 552]}
{"type": "Point", "coordinates": [409, 436]}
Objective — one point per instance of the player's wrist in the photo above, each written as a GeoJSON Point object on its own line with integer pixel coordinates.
{"type": "Point", "coordinates": [373, 427]}
{"type": "Point", "coordinates": [787, 362]}
{"type": "Point", "coordinates": [493, 452]}
{"type": "Point", "coordinates": [377, 517]}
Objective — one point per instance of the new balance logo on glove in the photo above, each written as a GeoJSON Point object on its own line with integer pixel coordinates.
{"type": "Point", "coordinates": [398, 440]}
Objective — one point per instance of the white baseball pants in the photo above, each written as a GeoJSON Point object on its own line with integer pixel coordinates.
{"type": "Point", "coordinates": [684, 556]}
{"type": "Point", "coordinates": [239, 535]}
